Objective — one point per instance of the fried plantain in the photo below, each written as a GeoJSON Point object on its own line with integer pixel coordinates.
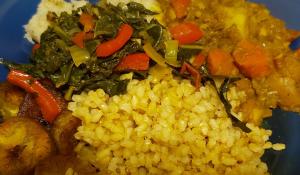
{"type": "Point", "coordinates": [23, 143]}
{"type": "Point", "coordinates": [60, 164]}
{"type": "Point", "coordinates": [63, 130]}
{"type": "Point", "coordinates": [10, 100]}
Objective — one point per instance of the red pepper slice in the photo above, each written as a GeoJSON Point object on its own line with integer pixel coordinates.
{"type": "Point", "coordinates": [136, 61]}
{"type": "Point", "coordinates": [110, 47]}
{"type": "Point", "coordinates": [35, 47]}
{"type": "Point", "coordinates": [48, 105]}
{"type": "Point", "coordinates": [87, 21]}
{"type": "Point", "coordinates": [194, 72]}
{"type": "Point", "coordinates": [186, 32]}
{"type": "Point", "coordinates": [78, 39]}
{"type": "Point", "coordinates": [198, 61]}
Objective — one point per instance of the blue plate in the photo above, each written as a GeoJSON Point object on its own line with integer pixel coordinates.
{"type": "Point", "coordinates": [285, 125]}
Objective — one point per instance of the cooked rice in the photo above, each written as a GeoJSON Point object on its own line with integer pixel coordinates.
{"type": "Point", "coordinates": [162, 125]}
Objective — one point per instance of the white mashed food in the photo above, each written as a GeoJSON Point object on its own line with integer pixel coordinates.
{"type": "Point", "coordinates": [38, 22]}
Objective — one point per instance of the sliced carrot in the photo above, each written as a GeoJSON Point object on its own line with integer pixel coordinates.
{"type": "Point", "coordinates": [252, 60]}
{"type": "Point", "coordinates": [110, 47]}
{"type": "Point", "coordinates": [78, 39]}
{"type": "Point", "coordinates": [35, 47]}
{"type": "Point", "coordinates": [198, 61]}
{"type": "Point", "coordinates": [186, 32]}
{"type": "Point", "coordinates": [87, 21]}
{"type": "Point", "coordinates": [180, 7]}
{"type": "Point", "coordinates": [194, 72]}
{"type": "Point", "coordinates": [220, 63]}
{"type": "Point", "coordinates": [136, 61]}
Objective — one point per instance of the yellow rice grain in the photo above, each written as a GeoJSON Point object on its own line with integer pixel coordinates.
{"type": "Point", "coordinates": [163, 125]}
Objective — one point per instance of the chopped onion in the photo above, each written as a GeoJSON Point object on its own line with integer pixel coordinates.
{"type": "Point", "coordinates": [152, 53]}
{"type": "Point", "coordinates": [171, 53]}
{"type": "Point", "coordinates": [79, 55]}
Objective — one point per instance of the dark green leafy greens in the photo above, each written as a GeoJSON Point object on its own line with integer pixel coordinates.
{"type": "Point", "coordinates": [223, 90]}
{"type": "Point", "coordinates": [184, 54]}
{"type": "Point", "coordinates": [139, 9]}
{"type": "Point", "coordinates": [52, 60]}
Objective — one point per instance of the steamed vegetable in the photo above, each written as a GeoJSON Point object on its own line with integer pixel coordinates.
{"type": "Point", "coordinates": [69, 47]}
{"type": "Point", "coordinates": [87, 21]}
{"type": "Point", "coordinates": [48, 105]}
{"type": "Point", "coordinates": [186, 32]}
{"type": "Point", "coordinates": [252, 59]}
{"type": "Point", "coordinates": [171, 53]}
{"type": "Point", "coordinates": [78, 39]}
{"type": "Point", "coordinates": [79, 55]}
{"type": "Point", "coordinates": [110, 47]}
{"type": "Point", "coordinates": [220, 63]}
{"type": "Point", "coordinates": [198, 61]}
{"type": "Point", "coordinates": [135, 62]}
{"type": "Point", "coordinates": [194, 73]}
{"type": "Point", "coordinates": [154, 55]}
{"type": "Point", "coordinates": [222, 93]}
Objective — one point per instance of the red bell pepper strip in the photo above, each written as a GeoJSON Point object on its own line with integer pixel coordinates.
{"type": "Point", "coordinates": [198, 61]}
{"type": "Point", "coordinates": [87, 21]}
{"type": "Point", "coordinates": [110, 47]}
{"type": "Point", "coordinates": [78, 39]}
{"type": "Point", "coordinates": [35, 47]}
{"type": "Point", "coordinates": [48, 105]}
{"type": "Point", "coordinates": [194, 72]}
{"type": "Point", "coordinates": [186, 32]}
{"type": "Point", "coordinates": [180, 7]}
{"type": "Point", "coordinates": [136, 61]}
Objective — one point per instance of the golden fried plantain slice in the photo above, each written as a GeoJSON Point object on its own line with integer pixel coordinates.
{"type": "Point", "coordinates": [60, 164]}
{"type": "Point", "coordinates": [63, 130]}
{"type": "Point", "coordinates": [23, 143]}
{"type": "Point", "coordinates": [10, 100]}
